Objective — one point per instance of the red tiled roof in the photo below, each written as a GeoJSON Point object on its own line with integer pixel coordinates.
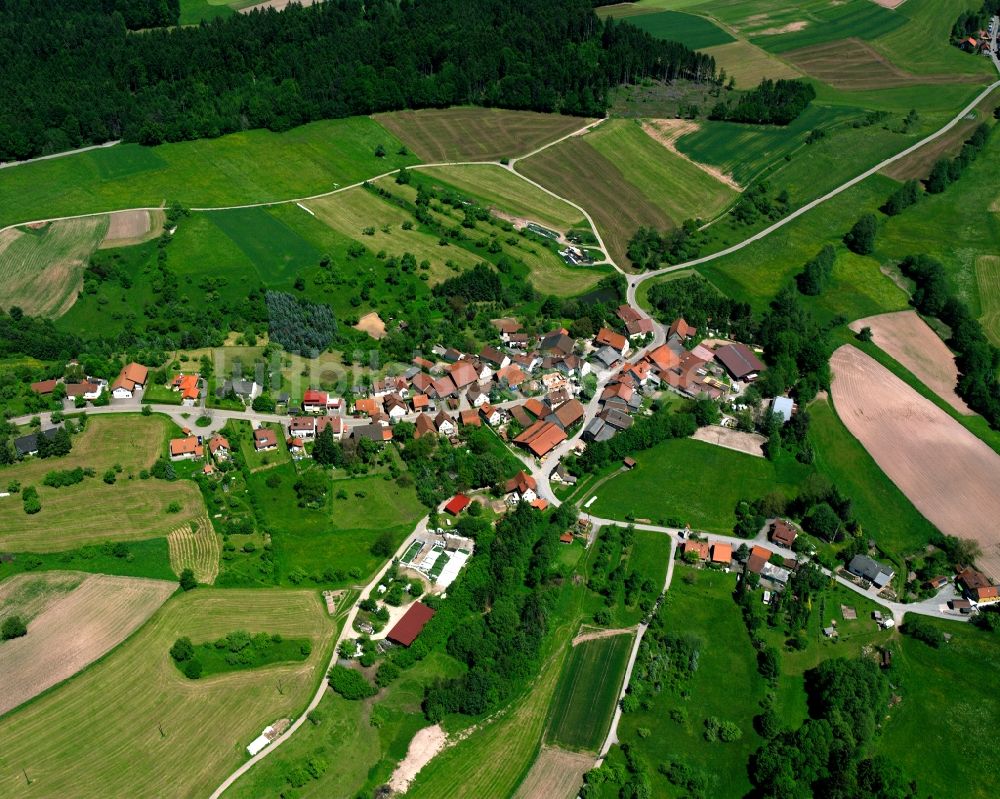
{"type": "Point", "coordinates": [406, 630]}
{"type": "Point", "coordinates": [457, 504]}
{"type": "Point", "coordinates": [184, 446]}
{"type": "Point", "coordinates": [535, 407]}
{"type": "Point", "coordinates": [566, 538]}
{"type": "Point", "coordinates": [611, 339]}
{"type": "Point", "coordinates": [471, 417]}
{"type": "Point", "coordinates": [539, 504]}
{"type": "Point", "coordinates": [700, 547]}
{"type": "Point", "coordinates": [44, 386]}
{"type": "Point", "coordinates": [135, 372]}
{"type": "Point", "coordinates": [424, 425]}
{"type": "Point", "coordinates": [569, 413]}
{"type": "Point", "coordinates": [314, 397]}
{"type": "Point", "coordinates": [217, 442]}
{"type": "Point", "coordinates": [521, 482]}
{"type": "Point", "coordinates": [722, 553]}
{"type": "Point", "coordinates": [445, 386]}
{"type": "Point", "coordinates": [420, 401]}
{"type": "Point", "coordinates": [664, 357]}
{"type": "Point", "coordinates": [783, 533]}
{"type": "Point", "coordinates": [682, 328]}
{"type": "Point", "coordinates": [541, 437]}
{"type": "Point", "coordinates": [628, 314]}
{"type": "Point", "coordinates": [335, 422]}
{"type": "Point", "coordinates": [79, 389]}
{"type": "Point", "coordinates": [264, 437]}
{"type": "Point", "coordinates": [462, 373]}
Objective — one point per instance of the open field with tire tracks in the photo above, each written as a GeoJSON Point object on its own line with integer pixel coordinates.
{"type": "Point", "coordinates": [195, 546]}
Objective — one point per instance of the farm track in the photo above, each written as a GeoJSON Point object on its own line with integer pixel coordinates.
{"type": "Point", "coordinates": [195, 546]}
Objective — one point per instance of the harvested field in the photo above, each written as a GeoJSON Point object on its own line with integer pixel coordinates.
{"type": "Point", "coordinates": [72, 628]}
{"type": "Point", "coordinates": [372, 324]}
{"type": "Point", "coordinates": [791, 27]}
{"type": "Point", "coordinates": [277, 5]}
{"type": "Point", "coordinates": [555, 774]}
{"type": "Point", "coordinates": [424, 746]}
{"type": "Point", "coordinates": [918, 164]}
{"type": "Point", "coordinates": [132, 227]}
{"type": "Point", "coordinates": [750, 443]}
{"type": "Point", "coordinates": [92, 511]}
{"type": "Point", "coordinates": [946, 472]}
{"type": "Point", "coordinates": [196, 546]}
{"type": "Point", "coordinates": [988, 277]}
{"type": "Point", "coordinates": [891, 4]}
{"type": "Point", "coordinates": [907, 338]}
{"type": "Point", "coordinates": [42, 269]}
{"type": "Point", "coordinates": [133, 724]}
{"type": "Point", "coordinates": [854, 65]}
{"type": "Point", "coordinates": [27, 595]}
{"type": "Point", "coordinates": [476, 134]}
{"type": "Point", "coordinates": [749, 64]}
{"type": "Point", "coordinates": [668, 131]}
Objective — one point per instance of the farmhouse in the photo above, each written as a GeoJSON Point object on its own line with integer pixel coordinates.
{"type": "Point", "coordinates": [740, 361]}
{"type": "Point", "coordinates": [511, 376]}
{"type": "Point", "coordinates": [87, 390]}
{"type": "Point", "coordinates": [44, 387]}
{"type": "Point", "coordinates": [445, 424]}
{"type": "Point", "coordinates": [443, 387]}
{"type": "Point", "coordinates": [696, 550]}
{"type": "Point", "coordinates": [680, 330]}
{"type": "Point", "coordinates": [977, 586]}
{"type": "Point", "coordinates": [395, 407]}
{"type": "Point", "coordinates": [782, 533]}
{"type": "Point", "coordinates": [470, 418]}
{"type": "Point", "coordinates": [567, 414]}
{"type": "Point", "coordinates": [264, 438]}
{"type": "Point", "coordinates": [608, 338]}
{"type": "Point", "coordinates": [541, 438]}
{"type": "Point", "coordinates": [520, 415]}
{"type": "Point", "coordinates": [131, 378]}
{"type": "Point", "coordinates": [187, 448]}
{"type": "Point", "coordinates": [406, 630]}
{"type": "Point", "coordinates": [871, 570]}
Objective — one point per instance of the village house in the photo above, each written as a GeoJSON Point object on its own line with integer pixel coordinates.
{"type": "Point", "coordinates": [695, 550]}
{"type": "Point", "coordinates": [782, 533]}
{"type": "Point", "coordinates": [506, 326]}
{"type": "Point", "coordinates": [463, 373]}
{"type": "Point", "coordinates": [606, 357]}
{"type": "Point", "coordinates": [187, 386]}
{"type": "Point", "coordinates": [314, 401]}
{"type": "Point", "coordinates": [395, 407]}
{"type": "Point", "coordinates": [373, 432]}
{"type": "Point", "coordinates": [476, 397]}
{"type": "Point", "coordinates": [302, 426]}
{"type": "Point", "coordinates": [557, 342]}
{"type": "Point", "coordinates": [567, 414]}
{"type": "Point", "coordinates": [722, 553]}
{"type": "Point", "coordinates": [420, 402]}
{"type": "Point", "coordinates": [680, 330]}
{"type": "Point", "coordinates": [423, 425]}
{"type": "Point", "coordinates": [27, 445]}
{"type": "Point", "coordinates": [537, 408]}
{"type": "Point", "coordinates": [759, 556]}
{"type": "Point", "coordinates": [337, 425]}
{"type": "Point", "coordinates": [245, 390]}
{"type": "Point", "coordinates": [518, 341]}
{"type": "Point", "coordinates": [529, 362]}
{"type": "Point", "coordinates": [874, 572]}
{"type": "Point", "coordinates": [44, 387]}
{"type": "Point", "coordinates": [511, 376]}
{"type": "Point", "coordinates": [444, 387]}
{"type": "Point", "coordinates": [185, 449]}
{"type": "Point", "coordinates": [218, 448]}
{"type": "Point", "coordinates": [264, 439]}
{"type": "Point", "coordinates": [470, 418]}
{"type": "Point", "coordinates": [131, 379]}
{"type": "Point", "coordinates": [492, 416]}
{"type": "Point", "coordinates": [296, 447]}
{"type": "Point", "coordinates": [422, 383]}
{"type": "Point", "coordinates": [616, 341]}
{"type": "Point", "coordinates": [369, 406]}
{"type": "Point", "coordinates": [495, 358]}
{"type": "Point", "coordinates": [88, 390]}
{"type": "Point", "coordinates": [522, 486]}
{"type": "Point", "coordinates": [445, 424]}
{"type": "Point", "coordinates": [977, 586]}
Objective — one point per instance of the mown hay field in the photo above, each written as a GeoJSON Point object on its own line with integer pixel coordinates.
{"type": "Point", "coordinates": [247, 167]}
{"type": "Point", "coordinates": [195, 546]}
{"type": "Point", "coordinates": [587, 693]}
{"type": "Point", "coordinates": [468, 133]}
{"type": "Point", "coordinates": [555, 774]}
{"type": "Point", "coordinates": [93, 511]}
{"type": "Point", "coordinates": [133, 724]}
{"type": "Point", "coordinates": [505, 190]}
{"type": "Point", "coordinates": [988, 275]}
{"type": "Point", "coordinates": [69, 629]}
{"type": "Point", "coordinates": [42, 270]}
{"type": "Point", "coordinates": [749, 64]}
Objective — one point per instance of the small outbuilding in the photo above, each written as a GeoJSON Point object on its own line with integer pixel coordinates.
{"type": "Point", "coordinates": [457, 504]}
{"type": "Point", "coordinates": [412, 623]}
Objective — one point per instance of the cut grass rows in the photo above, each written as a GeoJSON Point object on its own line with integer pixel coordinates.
{"type": "Point", "coordinates": [197, 549]}
{"type": "Point", "coordinates": [145, 724]}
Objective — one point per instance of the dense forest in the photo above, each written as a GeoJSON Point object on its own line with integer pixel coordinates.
{"type": "Point", "coordinates": [74, 75]}
{"type": "Point", "coordinates": [775, 102]}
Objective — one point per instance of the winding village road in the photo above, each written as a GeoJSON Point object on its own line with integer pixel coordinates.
{"type": "Point", "coordinates": [542, 470]}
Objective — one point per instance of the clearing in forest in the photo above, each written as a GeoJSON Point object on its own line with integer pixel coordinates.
{"type": "Point", "coordinates": [587, 692]}
{"type": "Point", "coordinates": [555, 774]}
{"type": "Point", "coordinates": [93, 511]}
{"type": "Point", "coordinates": [907, 338]}
{"type": "Point", "coordinates": [195, 546]}
{"type": "Point", "coordinates": [947, 473]}
{"type": "Point", "coordinates": [467, 133]}
{"type": "Point", "coordinates": [144, 724]}
{"type": "Point", "coordinates": [73, 619]}
{"type": "Point", "coordinates": [41, 269]}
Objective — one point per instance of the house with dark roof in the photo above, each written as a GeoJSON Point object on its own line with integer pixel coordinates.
{"type": "Point", "coordinates": [246, 390]}
{"type": "Point", "coordinates": [874, 572]}
{"type": "Point", "coordinates": [424, 425]}
{"type": "Point", "coordinates": [520, 415]}
{"type": "Point", "coordinates": [28, 445]}
{"type": "Point", "coordinates": [495, 358]}
{"type": "Point", "coordinates": [557, 342]}
{"type": "Point", "coordinates": [567, 414]}
{"type": "Point", "coordinates": [607, 357]}
{"type": "Point", "coordinates": [445, 424]}
{"type": "Point", "coordinates": [373, 432]}
{"type": "Point", "coordinates": [740, 361]}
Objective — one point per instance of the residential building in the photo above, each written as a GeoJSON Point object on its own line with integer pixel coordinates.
{"type": "Point", "coordinates": [186, 448]}
{"type": "Point", "coordinates": [470, 418]}
{"type": "Point", "coordinates": [541, 438]}
{"type": "Point", "coordinates": [876, 573]}
{"type": "Point", "coordinates": [218, 447]}
{"type": "Point", "coordinates": [782, 533]}
{"type": "Point", "coordinates": [131, 379]}
{"type": "Point", "coordinates": [264, 438]}
{"type": "Point", "coordinates": [522, 485]}
{"type": "Point", "coordinates": [616, 341]}
{"type": "Point", "coordinates": [445, 424]}
{"type": "Point", "coordinates": [27, 445]}
{"type": "Point", "coordinates": [681, 330]}
{"type": "Point", "coordinates": [424, 425]}
{"type": "Point", "coordinates": [492, 416]}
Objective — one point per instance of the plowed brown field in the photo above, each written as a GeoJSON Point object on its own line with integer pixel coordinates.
{"type": "Point", "coordinates": [946, 472]}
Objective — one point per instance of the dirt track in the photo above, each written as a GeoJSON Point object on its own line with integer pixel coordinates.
{"type": "Point", "coordinates": [909, 339]}
{"type": "Point", "coordinates": [591, 634]}
{"type": "Point", "coordinates": [425, 744]}
{"type": "Point", "coordinates": [946, 472]}
{"type": "Point", "coordinates": [74, 630]}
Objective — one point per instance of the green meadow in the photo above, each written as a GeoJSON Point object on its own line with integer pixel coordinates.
{"type": "Point", "coordinates": [691, 482]}
{"type": "Point", "coordinates": [248, 167]}
{"type": "Point", "coordinates": [694, 31]}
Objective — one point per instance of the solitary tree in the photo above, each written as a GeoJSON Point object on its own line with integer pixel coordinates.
{"type": "Point", "coordinates": [861, 237]}
{"type": "Point", "coordinates": [187, 580]}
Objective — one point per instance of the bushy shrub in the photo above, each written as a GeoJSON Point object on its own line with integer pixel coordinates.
{"type": "Point", "coordinates": [350, 683]}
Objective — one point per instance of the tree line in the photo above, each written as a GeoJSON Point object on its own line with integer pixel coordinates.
{"type": "Point", "coordinates": [74, 75]}
{"type": "Point", "coordinates": [772, 102]}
